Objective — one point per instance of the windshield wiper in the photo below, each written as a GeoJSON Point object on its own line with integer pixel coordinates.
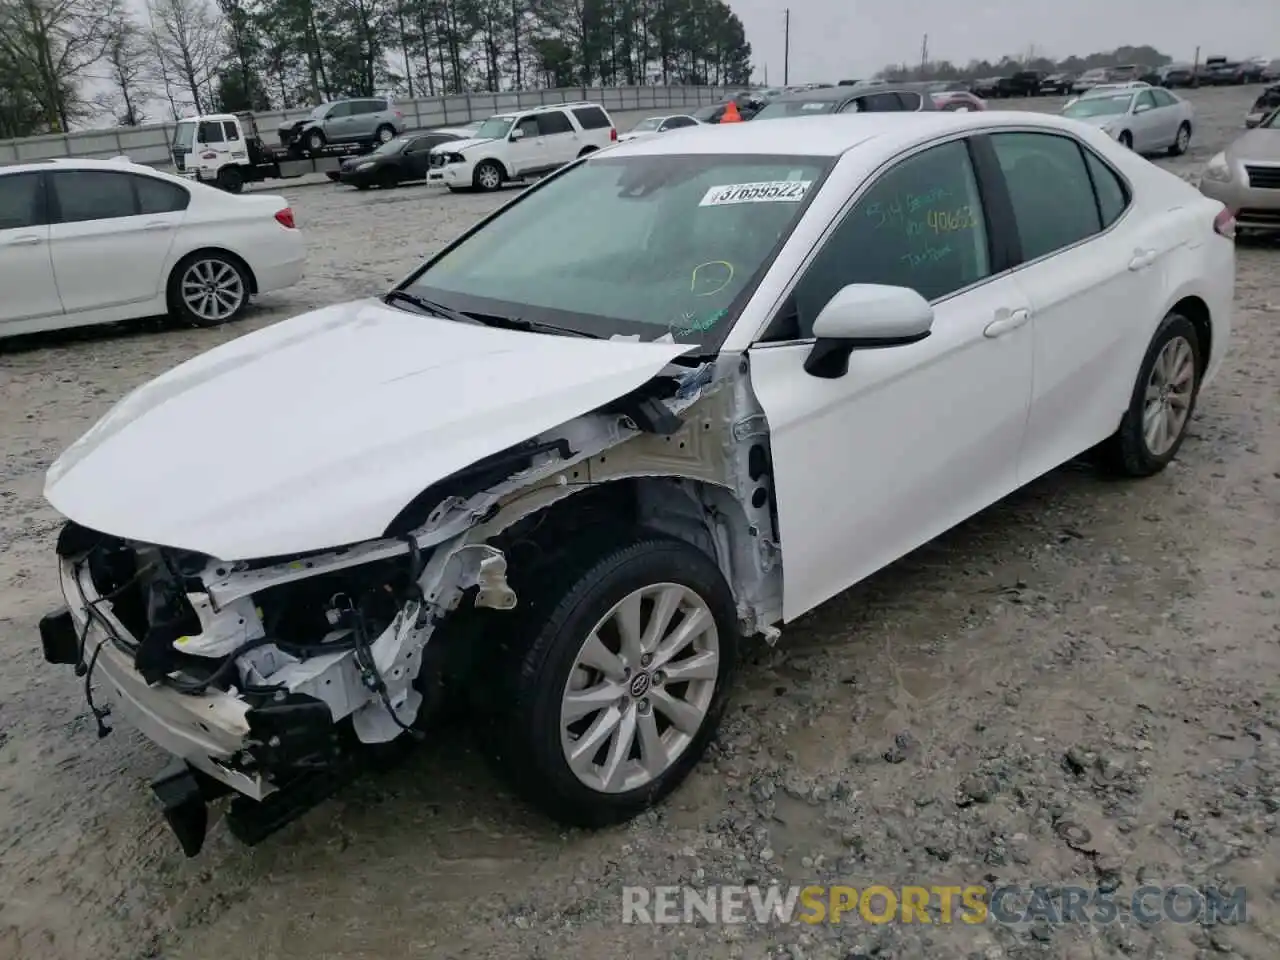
{"type": "Point", "coordinates": [430, 306]}
{"type": "Point", "coordinates": [529, 326]}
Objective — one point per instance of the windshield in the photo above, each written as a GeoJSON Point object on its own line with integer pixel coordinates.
{"type": "Point", "coordinates": [495, 128]}
{"type": "Point", "coordinates": [797, 108]}
{"type": "Point", "coordinates": [184, 134]}
{"type": "Point", "coordinates": [638, 246]}
{"type": "Point", "coordinates": [1099, 107]}
{"type": "Point", "coordinates": [391, 147]}
{"type": "Point", "coordinates": [653, 123]}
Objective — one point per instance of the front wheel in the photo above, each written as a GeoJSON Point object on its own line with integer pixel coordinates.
{"type": "Point", "coordinates": [488, 176]}
{"type": "Point", "coordinates": [622, 682]}
{"type": "Point", "coordinates": [1125, 139]}
{"type": "Point", "coordinates": [1163, 400]}
{"type": "Point", "coordinates": [386, 133]}
{"type": "Point", "coordinates": [315, 141]}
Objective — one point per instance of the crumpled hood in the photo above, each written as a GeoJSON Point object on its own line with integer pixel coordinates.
{"type": "Point", "coordinates": [317, 431]}
{"type": "Point", "coordinates": [1262, 145]}
{"type": "Point", "coordinates": [457, 146]}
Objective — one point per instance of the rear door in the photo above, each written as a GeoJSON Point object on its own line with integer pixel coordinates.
{"type": "Point", "coordinates": [27, 287]}
{"type": "Point", "coordinates": [560, 139]}
{"type": "Point", "coordinates": [1168, 116]}
{"type": "Point", "coordinates": [110, 236]}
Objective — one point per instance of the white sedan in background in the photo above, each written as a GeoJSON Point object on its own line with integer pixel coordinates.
{"type": "Point", "coordinates": [667, 399]}
{"type": "Point", "coordinates": [651, 125]}
{"type": "Point", "coordinates": [99, 241]}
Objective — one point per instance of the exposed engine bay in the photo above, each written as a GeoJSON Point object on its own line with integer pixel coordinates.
{"type": "Point", "coordinates": [260, 675]}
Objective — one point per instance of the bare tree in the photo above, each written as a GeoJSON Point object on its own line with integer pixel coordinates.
{"type": "Point", "coordinates": [51, 43]}
{"type": "Point", "coordinates": [129, 71]}
{"type": "Point", "coordinates": [189, 43]}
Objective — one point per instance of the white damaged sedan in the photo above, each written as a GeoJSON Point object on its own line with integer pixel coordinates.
{"type": "Point", "coordinates": [664, 401]}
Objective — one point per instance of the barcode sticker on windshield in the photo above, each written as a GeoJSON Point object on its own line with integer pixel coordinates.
{"type": "Point", "coordinates": [768, 191]}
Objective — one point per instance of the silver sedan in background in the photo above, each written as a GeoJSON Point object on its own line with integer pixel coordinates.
{"type": "Point", "coordinates": [1246, 177]}
{"type": "Point", "coordinates": [1147, 120]}
{"type": "Point", "coordinates": [651, 125]}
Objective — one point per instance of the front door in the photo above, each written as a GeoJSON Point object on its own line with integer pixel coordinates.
{"type": "Point", "coordinates": [106, 251]}
{"type": "Point", "coordinates": [417, 156]}
{"type": "Point", "coordinates": [27, 287]}
{"type": "Point", "coordinates": [527, 153]}
{"type": "Point", "coordinates": [912, 439]}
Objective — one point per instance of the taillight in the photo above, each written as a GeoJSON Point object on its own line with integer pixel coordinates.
{"type": "Point", "coordinates": [613, 134]}
{"type": "Point", "coordinates": [285, 218]}
{"type": "Point", "coordinates": [1224, 224]}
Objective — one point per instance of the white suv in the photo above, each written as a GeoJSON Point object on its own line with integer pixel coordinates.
{"type": "Point", "coordinates": [512, 146]}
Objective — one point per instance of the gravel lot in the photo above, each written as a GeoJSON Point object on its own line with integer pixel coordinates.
{"type": "Point", "coordinates": [1090, 651]}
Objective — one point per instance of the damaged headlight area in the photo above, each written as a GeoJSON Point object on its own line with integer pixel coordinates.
{"type": "Point", "coordinates": [263, 677]}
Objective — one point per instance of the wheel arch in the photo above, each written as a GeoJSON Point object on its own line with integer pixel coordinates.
{"type": "Point", "coordinates": [1197, 311]}
{"type": "Point", "coordinates": [221, 251]}
{"type": "Point", "coordinates": [497, 161]}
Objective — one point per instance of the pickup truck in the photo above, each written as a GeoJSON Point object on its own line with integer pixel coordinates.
{"type": "Point", "coordinates": [1024, 83]}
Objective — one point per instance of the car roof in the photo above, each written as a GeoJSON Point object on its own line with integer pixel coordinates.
{"type": "Point", "coordinates": [84, 163]}
{"type": "Point", "coordinates": [830, 135]}
{"type": "Point", "coordinates": [847, 93]}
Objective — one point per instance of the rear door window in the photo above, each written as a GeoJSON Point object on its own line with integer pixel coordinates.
{"type": "Point", "coordinates": [1047, 219]}
{"type": "Point", "coordinates": [553, 122]}
{"type": "Point", "coordinates": [21, 201]}
{"type": "Point", "coordinates": [93, 195]}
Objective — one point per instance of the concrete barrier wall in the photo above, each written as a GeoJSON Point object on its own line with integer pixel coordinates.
{"type": "Point", "coordinates": [150, 144]}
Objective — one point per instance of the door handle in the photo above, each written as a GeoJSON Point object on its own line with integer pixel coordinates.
{"type": "Point", "coordinates": [156, 226]}
{"type": "Point", "coordinates": [27, 240]}
{"type": "Point", "coordinates": [1006, 322]}
{"type": "Point", "coordinates": [1142, 259]}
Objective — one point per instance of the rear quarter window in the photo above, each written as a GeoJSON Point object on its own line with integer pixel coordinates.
{"type": "Point", "coordinates": [591, 118]}
{"type": "Point", "coordinates": [1112, 194]}
{"type": "Point", "coordinates": [160, 196]}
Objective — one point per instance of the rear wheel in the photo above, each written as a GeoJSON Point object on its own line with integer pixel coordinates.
{"type": "Point", "coordinates": [208, 288]}
{"type": "Point", "coordinates": [231, 179]}
{"type": "Point", "coordinates": [1163, 400]}
{"type": "Point", "coordinates": [488, 176]}
{"type": "Point", "coordinates": [1181, 141]}
{"type": "Point", "coordinates": [622, 682]}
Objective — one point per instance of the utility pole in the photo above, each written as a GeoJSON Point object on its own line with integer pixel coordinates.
{"type": "Point", "coordinates": [924, 55]}
{"type": "Point", "coordinates": [786, 47]}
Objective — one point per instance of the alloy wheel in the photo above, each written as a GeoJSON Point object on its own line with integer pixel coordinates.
{"type": "Point", "coordinates": [1167, 402]}
{"type": "Point", "coordinates": [640, 688]}
{"type": "Point", "coordinates": [213, 290]}
{"type": "Point", "coordinates": [490, 179]}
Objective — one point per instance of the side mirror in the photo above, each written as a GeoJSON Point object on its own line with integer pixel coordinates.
{"type": "Point", "coordinates": [865, 316]}
{"type": "Point", "coordinates": [1142, 108]}
{"type": "Point", "coordinates": [517, 134]}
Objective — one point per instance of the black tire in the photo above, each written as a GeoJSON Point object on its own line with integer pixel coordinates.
{"type": "Point", "coordinates": [230, 179]}
{"type": "Point", "coordinates": [1178, 148]}
{"type": "Point", "coordinates": [1125, 139]}
{"type": "Point", "coordinates": [363, 186]}
{"type": "Point", "coordinates": [586, 150]}
{"type": "Point", "coordinates": [1126, 452]}
{"type": "Point", "coordinates": [335, 177]}
{"type": "Point", "coordinates": [385, 133]}
{"type": "Point", "coordinates": [560, 610]}
{"type": "Point", "coordinates": [182, 311]}
{"type": "Point", "coordinates": [488, 176]}
{"type": "Point", "coordinates": [315, 140]}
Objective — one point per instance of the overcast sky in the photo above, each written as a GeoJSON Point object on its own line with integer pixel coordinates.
{"type": "Point", "coordinates": [836, 39]}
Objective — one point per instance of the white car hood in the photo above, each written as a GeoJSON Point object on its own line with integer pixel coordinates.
{"type": "Point", "coordinates": [317, 431]}
{"type": "Point", "coordinates": [457, 146]}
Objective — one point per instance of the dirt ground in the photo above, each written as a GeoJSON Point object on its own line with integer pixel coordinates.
{"type": "Point", "coordinates": [1104, 653]}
